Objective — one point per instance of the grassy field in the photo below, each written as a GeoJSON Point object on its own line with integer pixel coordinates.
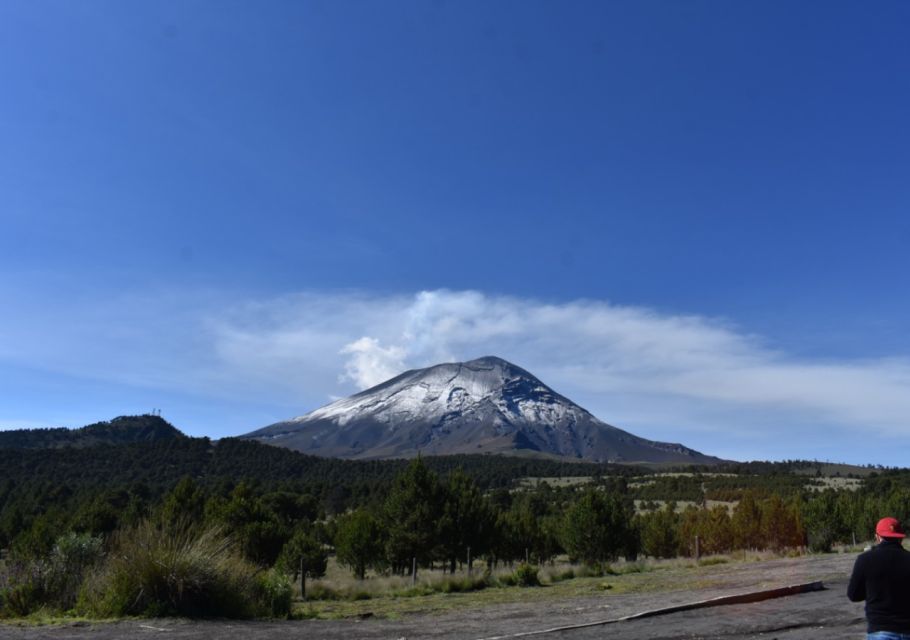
{"type": "Point", "coordinates": [392, 597]}
{"type": "Point", "coordinates": [637, 481]}
{"type": "Point", "coordinates": [833, 469]}
{"type": "Point", "coordinates": [837, 483]}
{"type": "Point", "coordinates": [682, 504]}
{"type": "Point", "coordinates": [568, 481]}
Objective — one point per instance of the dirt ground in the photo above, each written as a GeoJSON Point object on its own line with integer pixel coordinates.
{"type": "Point", "coordinates": [822, 614]}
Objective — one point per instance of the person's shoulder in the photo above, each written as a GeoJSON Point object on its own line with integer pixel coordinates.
{"type": "Point", "coordinates": [872, 552]}
{"type": "Point", "coordinates": [890, 546]}
{"type": "Point", "coordinates": [886, 549]}
{"type": "Point", "coordinates": [863, 556]}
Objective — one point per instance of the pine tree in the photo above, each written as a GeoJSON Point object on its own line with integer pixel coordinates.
{"type": "Point", "coordinates": [597, 527]}
{"type": "Point", "coordinates": [303, 556]}
{"type": "Point", "coordinates": [659, 532]}
{"type": "Point", "coordinates": [359, 542]}
{"type": "Point", "coordinates": [185, 503]}
{"type": "Point", "coordinates": [747, 528]}
{"type": "Point", "coordinates": [467, 521]}
{"type": "Point", "coordinates": [412, 513]}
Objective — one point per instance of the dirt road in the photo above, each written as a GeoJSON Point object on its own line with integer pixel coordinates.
{"type": "Point", "coordinates": [823, 614]}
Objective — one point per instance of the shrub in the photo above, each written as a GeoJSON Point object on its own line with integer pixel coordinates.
{"type": "Point", "coordinates": [594, 570]}
{"type": "Point", "coordinates": [628, 567]}
{"type": "Point", "coordinates": [72, 557]}
{"type": "Point", "coordinates": [173, 569]}
{"type": "Point", "coordinates": [821, 540]}
{"type": "Point", "coordinates": [463, 584]}
{"type": "Point", "coordinates": [559, 576]}
{"type": "Point", "coordinates": [413, 592]}
{"type": "Point", "coordinates": [274, 588]}
{"type": "Point", "coordinates": [507, 580]}
{"type": "Point", "coordinates": [320, 591]}
{"type": "Point", "coordinates": [22, 587]}
{"type": "Point", "coordinates": [526, 575]}
{"type": "Point", "coordinates": [21, 600]}
{"type": "Point", "coordinates": [54, 581]}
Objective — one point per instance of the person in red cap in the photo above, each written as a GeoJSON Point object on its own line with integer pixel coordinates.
{"type": "Point", "coordinates": [881, 577]}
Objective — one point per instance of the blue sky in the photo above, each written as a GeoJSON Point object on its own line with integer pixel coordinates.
{"type": "Point", "coordinates": [690, 217]}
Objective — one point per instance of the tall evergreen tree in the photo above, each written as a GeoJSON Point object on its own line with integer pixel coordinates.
{"type": "Point", "coordinates": [412, 513]}
{"type": "Point", "coordinates": [467, 521]}
{"type": "Point", "coordinates": [597, 527]}
{"type": "Point", "coordinates": [659, 532]}
{"type": "Point", "coordinates": [746, 520]}
{"type": "Point", "coordinates": [185, 502]}
{"type": "Point", "coordinates": [303, 556]}
{"type": "Point", "coordinates": [360, 542]}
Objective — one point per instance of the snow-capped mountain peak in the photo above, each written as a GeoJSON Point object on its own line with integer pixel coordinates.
{"type": "Point", "coordinates": [481, 406]}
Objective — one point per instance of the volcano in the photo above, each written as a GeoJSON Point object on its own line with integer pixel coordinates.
{"type": "Point", "coordinates": [486, 405]}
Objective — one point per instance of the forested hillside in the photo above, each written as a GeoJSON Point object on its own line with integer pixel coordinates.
{"type": "Point", "coordinates": [145, 428]}
{"type": "Point", "coordinates": [96, 488]}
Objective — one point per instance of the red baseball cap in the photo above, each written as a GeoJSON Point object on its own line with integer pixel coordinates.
{"type": "Point", "coordinates": [889, 528]}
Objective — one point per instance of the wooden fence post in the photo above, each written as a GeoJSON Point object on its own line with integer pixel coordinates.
{"type": "Point", "coordinates": [302, 580]}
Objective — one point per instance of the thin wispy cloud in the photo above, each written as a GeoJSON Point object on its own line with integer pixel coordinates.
{"type": "Point", "coordinates": [633, 366]}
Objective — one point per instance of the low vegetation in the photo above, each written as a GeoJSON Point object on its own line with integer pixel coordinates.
{"type": "Point", "coordinates": [149, 570]}
{"type": "Point", "coordinates": [155, 570]}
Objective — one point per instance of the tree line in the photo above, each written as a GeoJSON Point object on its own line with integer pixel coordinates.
{"type": "Point", "coordinates": [385, 516]}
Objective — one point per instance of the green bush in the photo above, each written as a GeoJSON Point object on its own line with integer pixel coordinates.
{"type": "Point", "coordinates": [174, 569]}
{"type": "Point", "coordinates": [72, 557]}
{"type": "Point", "coordinates": [629, 567]}
{"type": "Point", "coordinates": [321, 591]}
{"type": "Point", "coordinates": [21, 587]}
{"type": "Point", "coordinates": [53, 582]}
{"type": "Point", "coordinates": [507, 580]}
{"type": "Point", "coordinates": [821, 540]}
{"type": "Point", "coordinates": [274, 588]}
{"type": "Point", "coordinates": [594, 570]}
{"type": "Point", "coordinates": [554, 576]}
{"type": "Point", "coordinates": [526, 575]}
{"type": "Point", "coordinates": [21, 600]}
{"type": "Point", "coordinates": [463, 584]}
{"type": "Point", "coordinates": [414, 592]}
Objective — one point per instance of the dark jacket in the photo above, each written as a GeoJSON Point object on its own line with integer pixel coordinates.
{"type": "Point", "coordinates": [881, 577]}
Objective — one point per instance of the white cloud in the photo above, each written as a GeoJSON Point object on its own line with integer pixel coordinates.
{"type": "Point", "coordinates": [370, 363]}
{"type": "Point", "coordinates": [587, 348]}
{"type": "Point", "coordinates": [670, 376]}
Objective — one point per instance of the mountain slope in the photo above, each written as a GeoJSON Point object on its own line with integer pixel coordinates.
{"type": "Point", "coordinates": [486, 405]}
